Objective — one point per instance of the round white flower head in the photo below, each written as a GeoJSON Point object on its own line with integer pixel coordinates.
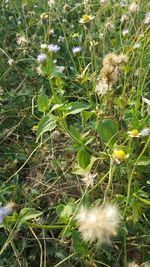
{"type": "Point", "coordinates": [125, 32]}
{"type": "Point", "coordinates": [43, 46]}
{"type": "Point", "coordinates": [145, 132]}
{"type": "Point", "coordinates": [11, 62]}
{"type": "Point", "coordinates": [60, 69]}
{"type": "Point", "coordinates": [41, 57]}
{"type": "Point", "coordinates": [53, 48]}
{"type": "Point", "coordinates": [133, 7]}
{"type": "Point", "coordinates": [76, 50]}
{"type": "Point", "coordinates": [147, 18]}
{"type": "Point", "coordinates": [137, 45]}
{"type": "Point", "coordinates": [98, 224]}
{"type": "Point", "coordinates": [86, 19]}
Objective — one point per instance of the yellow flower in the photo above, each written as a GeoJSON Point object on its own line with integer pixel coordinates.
{"type": "Point", "coordinates": [34, 128]}
{"type": "Point", "coordinates": [86, 19]}
{"type": "Point", "coordinates": [134, 133]}
{"type": "Point", "coordinates": [119, 156]}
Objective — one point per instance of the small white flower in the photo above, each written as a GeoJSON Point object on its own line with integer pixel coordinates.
{"type": "Point", "coordinates": [60, 69]}
{"type": "Point", "coordinates": [21, 40]}
{"type": "Point", "coordinates": [119, 156]}
{"type": "Point", "coordinates": [103, 2]}
{"type": "Point", "coordinates": [136, 46]}
{"type": "Point", "coordinates": [41, 57]}
{"type": "Point", "coordinates": [98, 224]}
{"type": "Point", "coordinates": [40, 71]}
{"type": "Point", "coordinates": [11, 62]}
{"type": "Point", "coordinates": [123, 3]}
{"type": "Point", "coordinates": [76, 50]}
{"type": "Point", "coordinates": [147, 18]}
{"type": "Point", "coordinates": [134, 133]}
{"type": "Point", "coordinates": [53, 48]}
{"type": "Point", "coordinates": [125, 32]}
{"type": "Point", "coordinates": [133, 7]}
{"type": "Point", "coordinates": [145, 132]}
{"type": "Point", "coordinates": [89, 179]}
{"type": "Point", "coordinates": [51, 3]}
{"type": "Point", "coordinates": [43, 46]}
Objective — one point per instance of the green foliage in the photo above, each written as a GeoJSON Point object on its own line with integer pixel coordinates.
{"type": "Point", "coordinates": [108, 130]}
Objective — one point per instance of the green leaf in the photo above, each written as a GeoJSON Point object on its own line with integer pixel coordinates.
{"type": "Point", "coordinates": [28, 214]}
{"type": "Point", "coordinates": [75, 134]}
{"type": "Point", "coordinates": [47, 123]}
{"type": "Point", "coordinates": [79, 171]}
{"type": "Point", "coordinates": [43, 102]}
{"type": "Point", "coordinates": [86, 115]}
{"type": "Point", "coordinates": [76, 107]}
{"type": "Point", "coordinates": [78, 244]}
{"type": "Point", "coordinates": [84, 158]}
{"type": "Point", "coordinates": [108, 130]}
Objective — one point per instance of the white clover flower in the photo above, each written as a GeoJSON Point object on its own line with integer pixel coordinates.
{"type": "Point", "coordinates": [133, 7]}
{"type": "Point", "coordinates": [98, 224]}
{"type": "Point", "coordinates": [123, 3]}
{"type": "Point", "coordinates": [41, 57]}
{"type": "Point", "coordinates": [145, 132]}
{"type": "Point", "coordinates": [53, 48]}
{"type": "Point", "coordinates": [137, 45]}
{"type": "Point", "coordinates": [89, 179]}
{"type": "Point", "coordinates": [76, 50]}
{"type": "Point", "coordinates": [147, 18]}
{"type": "Point", "coordinates": [125, 32]}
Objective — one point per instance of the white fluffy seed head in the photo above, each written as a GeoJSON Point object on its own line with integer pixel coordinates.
{"type": "Point", "coordinates": [98, 224]}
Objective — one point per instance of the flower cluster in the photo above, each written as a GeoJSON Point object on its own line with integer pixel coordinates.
{"type": "Point", "coordinates": [98, 224]}
{"type": "Point", "coordinates": [110, 72]}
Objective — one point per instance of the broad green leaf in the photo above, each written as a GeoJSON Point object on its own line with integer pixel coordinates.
{"type": "Point", "coordinates": [108, 130]}
{"type": "Point", "coordinates": [47, 123]}
{"type": "Point", "coordinates": [43, 102]}
{"type": "Point", "coordinates": [78, 244]}
{"type": "Point", "coordinates": [79, 171]}
{"type": "Point", "coordinates": [84, 158]}
{"type": "Point", "coordinates": [56, 106]}
{"type": "Point", "coordinates": [76, 107]}
{"type": "Point", "coordinates": [86, 115]}
{"type": "Point", "coordinates": [28, 214]}
{"type": "Point", "coordinates": [75, 134]}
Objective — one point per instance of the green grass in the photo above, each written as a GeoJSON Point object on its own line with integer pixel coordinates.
{"type": "Point", "coordinates": [55, 129]}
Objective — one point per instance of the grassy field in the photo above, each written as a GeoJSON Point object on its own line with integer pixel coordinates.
{"type": "Point", "coordinates": [74, 133]}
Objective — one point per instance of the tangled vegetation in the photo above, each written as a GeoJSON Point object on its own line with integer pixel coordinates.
{"type": "Point", "coordinates": [75, 134]}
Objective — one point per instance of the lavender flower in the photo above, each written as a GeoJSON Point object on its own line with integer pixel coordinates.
{"type": "Point", "coordinates": [53, 48]}
{"type": "Point", "coordinates": [4, 211]}
{"type": "Point", "coordinates": [41, 57]}
{"type": "Point", "coordinates": [145, 132]}
{"type": "Point", "coordinates": [76, 50]}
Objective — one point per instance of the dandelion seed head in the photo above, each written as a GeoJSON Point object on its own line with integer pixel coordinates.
{"type": "Point", "coordinates": [98, 224]}
{"type": "Point", "coordinates": [133, 7]}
